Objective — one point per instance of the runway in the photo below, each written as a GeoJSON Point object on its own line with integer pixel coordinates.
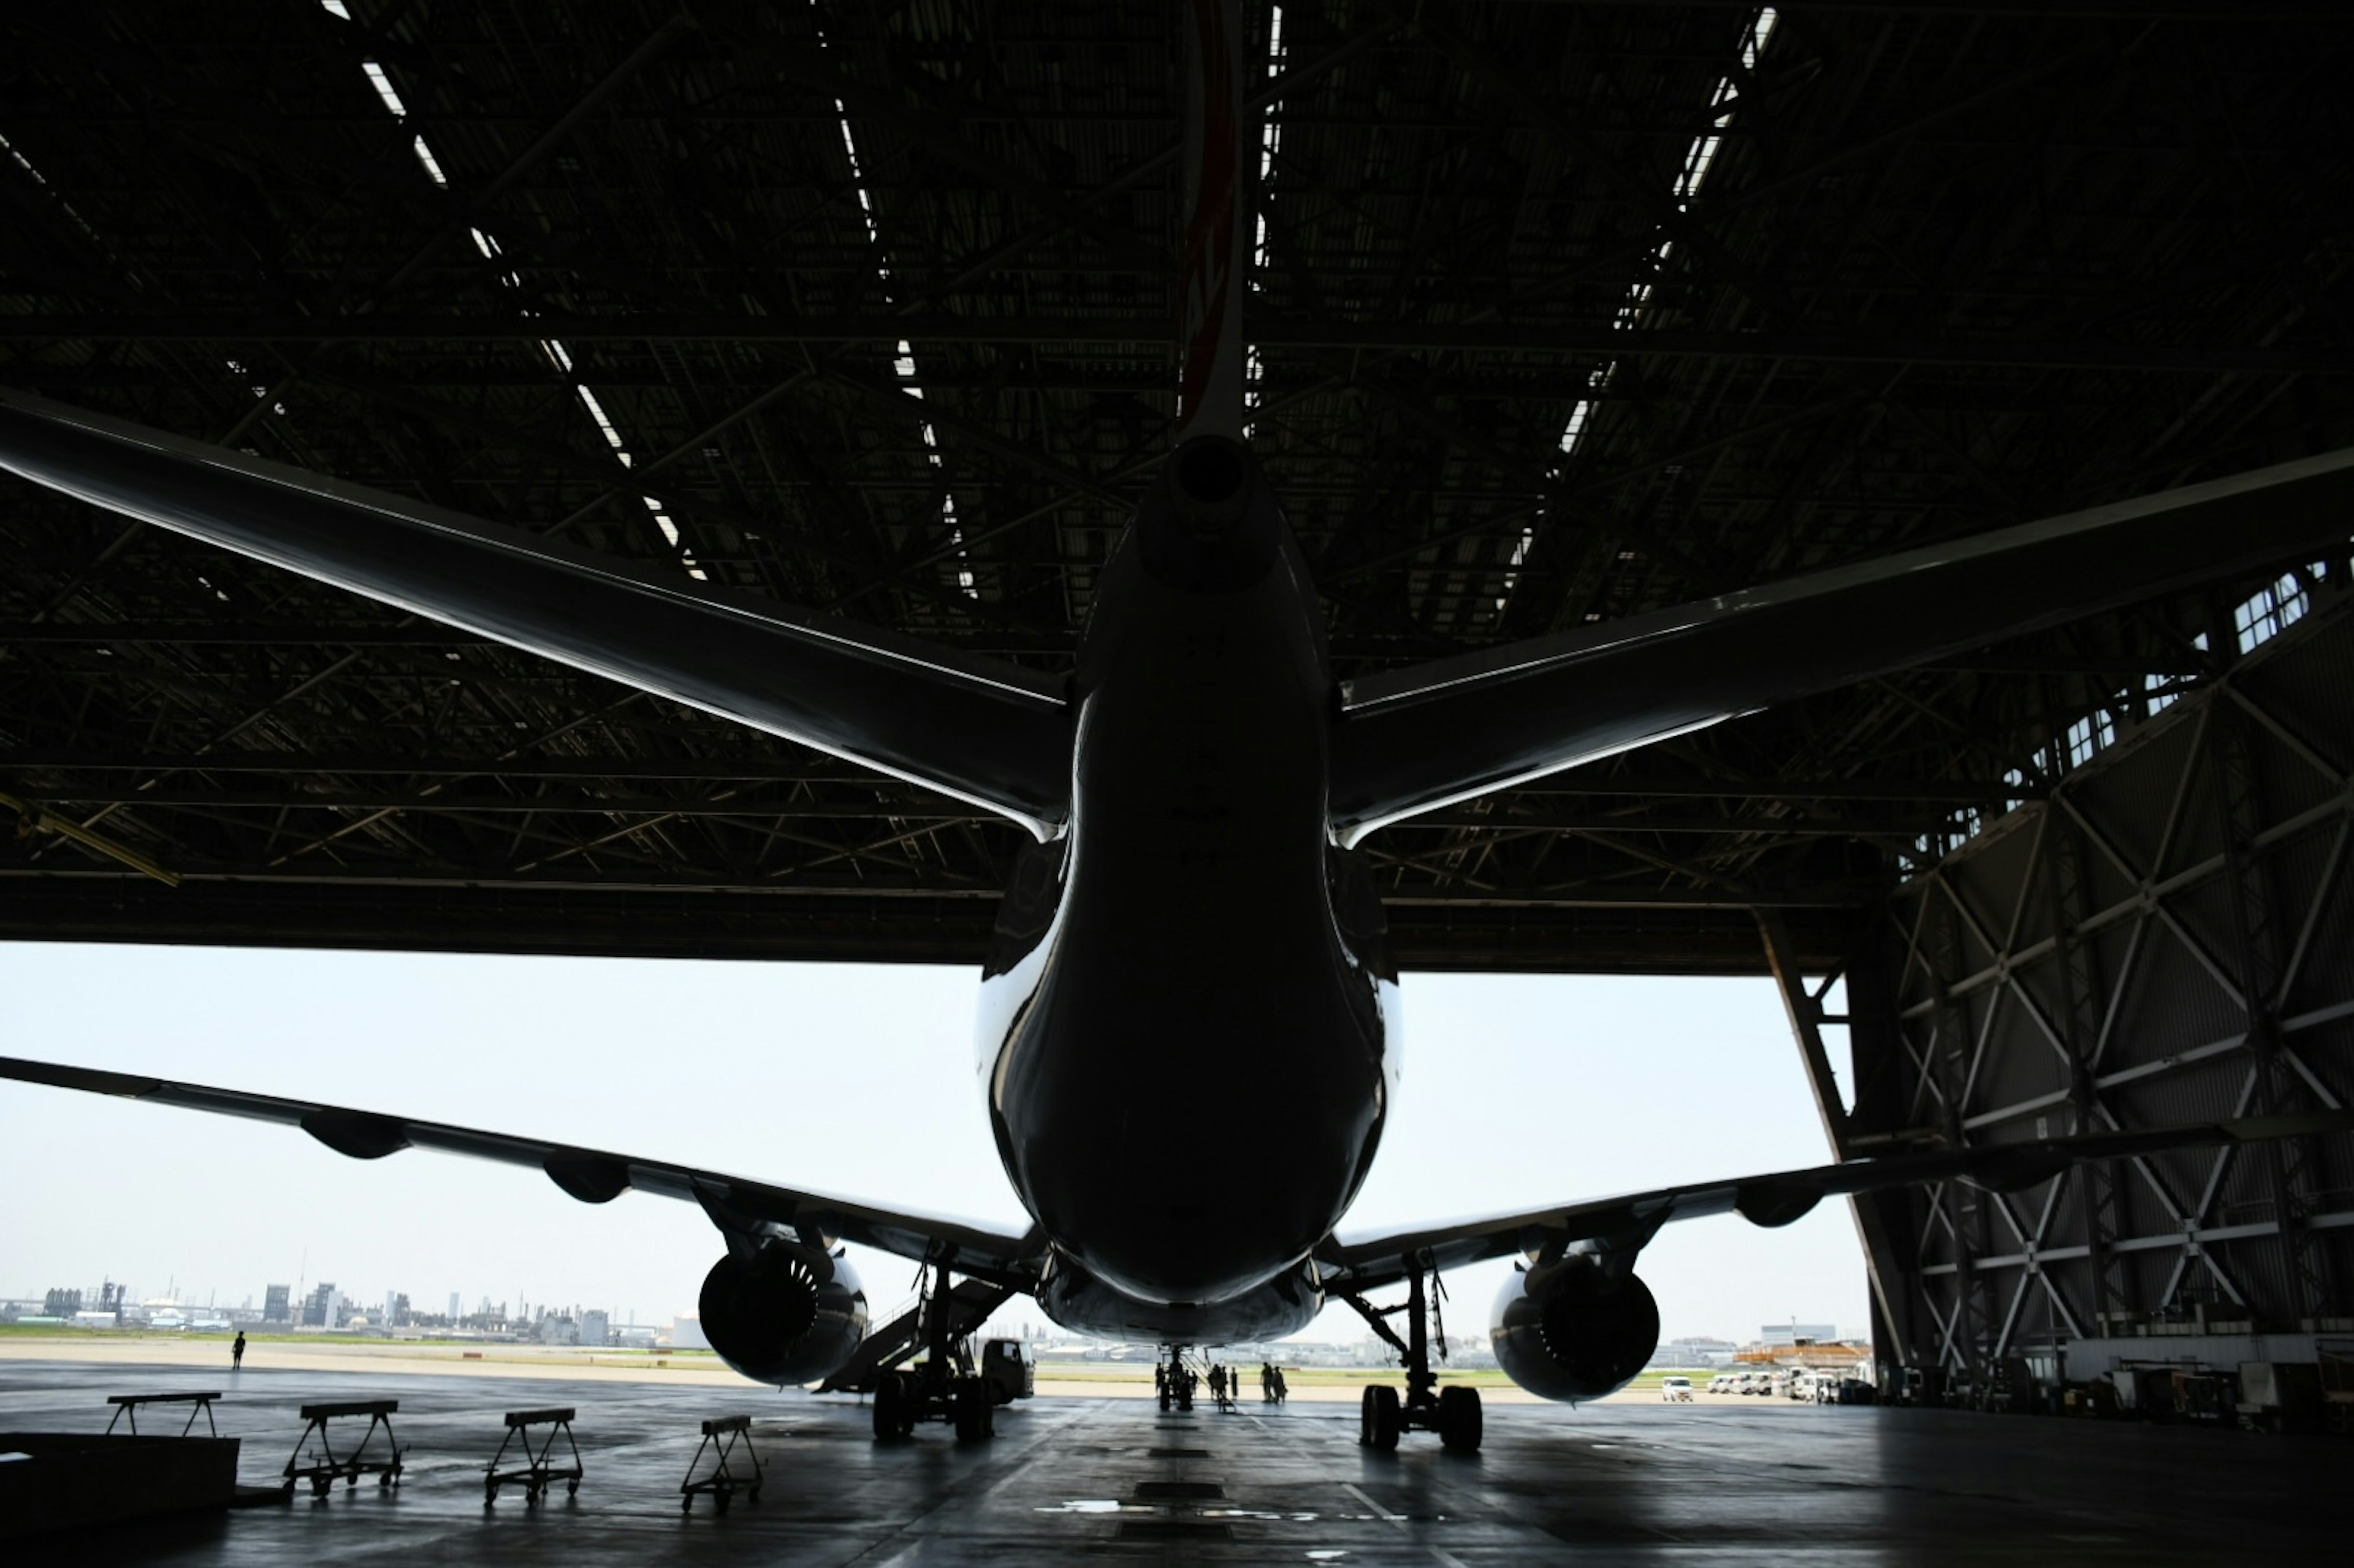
{"type": "Point", "coordinates": [1084, 1479]}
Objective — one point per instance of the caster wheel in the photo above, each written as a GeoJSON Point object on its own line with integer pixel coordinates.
{"type": "Point", "coordinates": [754, 1494]}
{"type": "Point", "coordinates": [687, 1507]}
{"type": "Point", "coordinates": [719, 1502]}
{"type": "Point", "coordinates": [573, 1490]}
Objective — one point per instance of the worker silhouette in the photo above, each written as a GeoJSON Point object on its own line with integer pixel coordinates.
{"type": "Point", "coordinates": [237, 1353]}
{"type": "Point", "coordinates": [1267, 1382]}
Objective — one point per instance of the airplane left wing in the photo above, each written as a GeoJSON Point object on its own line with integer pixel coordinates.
{"type": "Point", "coordinates": [1353, 1263]}
{"type": "Point", "coordinates": [593, 1176]}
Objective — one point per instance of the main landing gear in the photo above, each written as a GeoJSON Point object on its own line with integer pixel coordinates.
{"type": "Point", "coordinates": [944, 1387]}
{"type": "Point", "coordinates": [1452, 1413]}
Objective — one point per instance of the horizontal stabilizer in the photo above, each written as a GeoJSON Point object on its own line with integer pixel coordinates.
{"type": "Point", "coordinates": [1413, 740]}
{"type": "Point", "coordinates": [984, 731]}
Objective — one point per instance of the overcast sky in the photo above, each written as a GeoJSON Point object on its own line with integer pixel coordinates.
{"type": "Point", "coordinates": [846, 1078]}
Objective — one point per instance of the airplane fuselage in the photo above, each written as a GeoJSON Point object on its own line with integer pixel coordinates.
{"type": "Point", "coordinates": [1188, 1023]}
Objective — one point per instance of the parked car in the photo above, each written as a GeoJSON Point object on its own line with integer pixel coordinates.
{"type": "Point", "coordinates": [1724, 1382]}
{"type": "Point", "coordinates": [1676, 1390]}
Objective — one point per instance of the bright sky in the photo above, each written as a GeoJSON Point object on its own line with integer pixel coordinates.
{"type": "Point", "coordinates": [847, 1078]}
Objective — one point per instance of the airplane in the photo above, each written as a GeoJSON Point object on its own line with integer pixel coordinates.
{"type": "Point", "coordinates": [1195, 903]}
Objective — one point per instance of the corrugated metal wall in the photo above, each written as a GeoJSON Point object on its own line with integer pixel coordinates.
{"type": "Point", "coordinates": [2169, 938]}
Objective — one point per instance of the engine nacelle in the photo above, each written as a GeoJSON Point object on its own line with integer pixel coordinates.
{"type": "Point", "coordinates": [787, 1315]}
{"type": "Point", "coordinates": [1571, 1331]}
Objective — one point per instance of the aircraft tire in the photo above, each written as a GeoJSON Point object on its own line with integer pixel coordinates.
{"type": "Point", "coordinates": [1461, 1423]}
{"type": "Point", "coordinates": [1382, 1416]}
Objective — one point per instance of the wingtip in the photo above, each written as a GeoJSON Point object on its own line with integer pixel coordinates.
{"type": "Point", "coordinates": [89, 1080]}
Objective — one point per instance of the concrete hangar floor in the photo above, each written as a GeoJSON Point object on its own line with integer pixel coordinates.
{"type": "Point", "coordinates": [1083, 1479]}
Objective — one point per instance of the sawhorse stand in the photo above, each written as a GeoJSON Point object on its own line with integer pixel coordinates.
{"type": "Point", "coordinates": [720, 1434]}
{"type": "Point", "coordinates": [129, 1403]}
{"type": "Point", "coordinates": [326, 1474]}
{"type": "Point", "coordinates": [536, 1474]}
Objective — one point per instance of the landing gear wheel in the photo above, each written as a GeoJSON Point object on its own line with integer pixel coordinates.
{"type": "Point", "coordinates": [1461, 1423]}
{"type": "Point", "coordinates": [890, 1407]}
{"type": "Point", "coordinates": [1379, 1417]}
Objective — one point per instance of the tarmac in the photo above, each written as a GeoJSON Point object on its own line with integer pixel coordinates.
{"type": "Point", "coordinates": [1083, 1478]}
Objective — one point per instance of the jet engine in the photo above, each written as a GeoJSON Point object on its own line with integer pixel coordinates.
{"type": "Point", "coordinates": [1573, 1330]}
{"type": "Point", "coordinates": [783, 1314]}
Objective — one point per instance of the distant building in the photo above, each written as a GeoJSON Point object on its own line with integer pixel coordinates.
{"type": "Point", "coordinates": [1792, 1333]}
{"type": "Point", "coordinates": [324, 1309]}
{"type": "Point", "coordinates": [686, 1332]}
{"type": "Point", "coordinates": [456, 1312]}
{"type": "Point", "coordinates": [61, 1303]}
{"type": "Point", "coordinates": [594, 1329]}
{"type": "Point", "coordinates": [276, 1304]}
{"type": "Point", "coordinates": [396, 1310]}
{"type": "Point", "coordinates": [1693, 1350]}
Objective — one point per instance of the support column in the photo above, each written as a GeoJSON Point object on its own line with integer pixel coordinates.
{"type": "Point", "coordinates": [1892, 1317]}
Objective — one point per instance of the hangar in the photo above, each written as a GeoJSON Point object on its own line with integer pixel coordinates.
{"type": "Point", "coordinates": [1558, 314]}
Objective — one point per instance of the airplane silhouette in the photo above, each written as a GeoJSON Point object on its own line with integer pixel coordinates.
{"type": "Point", "coordinates": [1194, 906]}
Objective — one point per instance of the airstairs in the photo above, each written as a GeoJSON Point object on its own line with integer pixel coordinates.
{"type": "Point", "coordinates": [970, 1303]}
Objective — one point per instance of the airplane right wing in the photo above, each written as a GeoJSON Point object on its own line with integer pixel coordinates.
{"type": "Point", "coordinates": [986, 732]}
{"type": "Point", "coordinates": [1415, 739]}
{"type": "Point", "coordinates": [1625, 1223]}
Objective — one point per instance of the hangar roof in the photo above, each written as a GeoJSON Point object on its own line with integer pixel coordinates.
{"type": "Point", "coordinates": [1561, 312]}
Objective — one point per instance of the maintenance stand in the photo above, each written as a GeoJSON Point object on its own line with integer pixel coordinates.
{"type": "Point", "coordinates": [536, 1474]}
{"type": "Point", "coordinates": [720, 1434]}
{"type": "Point", "coordinates": [349, 1471]}
{"type": "Point", "coordinates": [129, 1403]}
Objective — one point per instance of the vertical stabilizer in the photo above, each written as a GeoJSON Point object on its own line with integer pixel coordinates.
{"type": "Point", "coordinates": [1210, 389]}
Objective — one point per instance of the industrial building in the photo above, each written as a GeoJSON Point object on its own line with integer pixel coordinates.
{"type": "Point", "coordinates": [1559, 314]}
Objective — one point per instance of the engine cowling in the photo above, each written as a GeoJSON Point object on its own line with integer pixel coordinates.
{"type": "Point", "coordinates": [785, 1315]}
{"type": "Point", "coordinates": [1572, 1330]}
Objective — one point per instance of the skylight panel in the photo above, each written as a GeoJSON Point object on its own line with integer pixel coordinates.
{"type": "Point", "coordinates": [425, 158]}
{"type": "Point", "coordinates": [902, 363]}
{"type": "Point", "coordinates": [26, 165]}
{"type": "Point", "coordinates": [384, 89]}
{"type": "Point", "coordinates": [1699, 159]}
{"type": "Point", "coordinates": [1270, 144]}
{"type": "Point", "coordinates": [596, 412]}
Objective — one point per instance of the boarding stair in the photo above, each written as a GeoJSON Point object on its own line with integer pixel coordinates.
{"type": "Point", "coordinates": [970, 1302]}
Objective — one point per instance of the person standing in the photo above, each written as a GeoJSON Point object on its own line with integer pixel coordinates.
{"type": "Point", "coordinates": [237, 1353]}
